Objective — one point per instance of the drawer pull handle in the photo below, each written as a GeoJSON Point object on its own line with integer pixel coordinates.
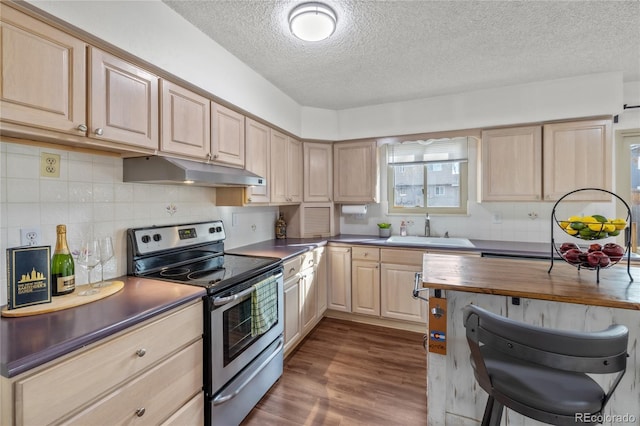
{"type": "Point", "coordinates": [140, 412]}
{"type": "Point", "coordinates": [141, 352]}
{"type": "Point", "coordinates": [292, 270]}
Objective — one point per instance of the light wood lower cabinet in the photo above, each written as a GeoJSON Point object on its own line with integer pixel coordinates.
{"type": "Point", "coordinates": [398, 270]}
{"type": "Point", "coordinates": [365, 280]}
{"type": "Point", "coordinates": [339, 277]}
{"type": "Point", "coordinates": [305, 296]}
{"type": "Point", "coordinates": [142, 375]}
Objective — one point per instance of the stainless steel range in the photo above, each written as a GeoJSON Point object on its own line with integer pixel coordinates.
{"type": "Point", "coordinates": [243, 310]}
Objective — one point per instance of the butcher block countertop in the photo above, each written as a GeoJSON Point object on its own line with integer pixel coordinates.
{"type": "Point", "coordinates": [530, 279]}
{"type": "Point", "coordinates": [28, 342]}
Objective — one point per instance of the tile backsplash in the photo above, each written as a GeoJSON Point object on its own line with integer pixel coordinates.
{"type": "Point", "coordinates": [91, 199]}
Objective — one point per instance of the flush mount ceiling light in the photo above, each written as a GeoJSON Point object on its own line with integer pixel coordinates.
{"type": "Point", "coordinates": [312, 21]}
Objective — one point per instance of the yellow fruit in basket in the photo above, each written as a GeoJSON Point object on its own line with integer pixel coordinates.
{"type": "Point", "coordinates": [597, 227]}
{"type": "Point", "coordinates": [620, 224]}
{"type": "Point", "coordinates": [609, 227]}
{"type": "Point", "coordinates": [589, 219]}
{"type": "Point", "coordinates": [574, 219]}
{"type": "Point", "coordinates": [570, 230]}
{"type": "Point", "coordinates": [564, 223]}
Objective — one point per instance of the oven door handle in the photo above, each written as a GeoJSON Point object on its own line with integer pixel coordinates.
{"type": "Point", "coordinates": [219, 301]}
{"type": "Point", "coordinates": [221, 399]}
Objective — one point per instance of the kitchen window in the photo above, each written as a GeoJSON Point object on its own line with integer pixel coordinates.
{"type": "Point", "coordinates": [428, 176]}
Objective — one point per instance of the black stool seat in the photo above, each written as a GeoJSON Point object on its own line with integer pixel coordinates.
{"type": "Point", "coordinates": [541, 373]}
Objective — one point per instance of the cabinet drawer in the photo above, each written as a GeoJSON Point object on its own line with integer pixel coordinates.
{"type": "Point", "coordinates": [402, 257]}
{"type": "Point", "coordinates": [151, 397]}
{"type": "Point", "coordinates": [291, 267]}
{"type": "Point", "coordinates": [308, 260]}
{"type": "Point", "coordinates": [191, 413]}
{"type": "Point", "coordinates": [48, 395]}
{"type": "Point", "coordinates": [365, 253]}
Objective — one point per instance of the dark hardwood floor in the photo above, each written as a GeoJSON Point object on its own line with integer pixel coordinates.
{"type": "Point", "coordinates": [347, 373]}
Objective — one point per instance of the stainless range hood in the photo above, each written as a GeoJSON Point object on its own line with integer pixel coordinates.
{"type": "Point", "coordinates": [165, 170]}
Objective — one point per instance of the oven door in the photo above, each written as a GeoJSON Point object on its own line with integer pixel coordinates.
{"type": "Point", "coordinates": [234, 341]}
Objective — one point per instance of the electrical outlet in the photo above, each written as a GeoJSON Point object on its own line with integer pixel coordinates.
{"type": "Point", "coordinates": [30, 236]}
{"type": "Point", "coordinates": [49, 165]}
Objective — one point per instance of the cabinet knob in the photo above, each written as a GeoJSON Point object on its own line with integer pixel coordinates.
{"type": "Point", "coordinates": [249, 200]}
{"type": "Point", "coordinates": [141, 352]}
{"type": "Point", "coordinates": [140, 412]}
{"type": "Point", "coordinates": [366, 254]}
{"type": "Point", "coordinates": [215, 155]}
{"type": "Point", "coordinates": [99, 131]}
{"type": "Point", "coordinates": [82, 127]}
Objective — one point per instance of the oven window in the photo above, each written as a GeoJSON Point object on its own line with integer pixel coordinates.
{"type": "Point", "coordinates": [237, 330]}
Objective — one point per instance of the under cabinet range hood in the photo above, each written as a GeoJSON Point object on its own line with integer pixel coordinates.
{"type": "Point", "coordinates": [165, 170]}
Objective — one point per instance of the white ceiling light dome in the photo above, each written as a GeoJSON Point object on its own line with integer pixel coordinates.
{"type": "Point", "coordinates": [312, 21]}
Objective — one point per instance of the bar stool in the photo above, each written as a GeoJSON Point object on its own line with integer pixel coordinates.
{"type": "Point", "coordinates": [542, 373]}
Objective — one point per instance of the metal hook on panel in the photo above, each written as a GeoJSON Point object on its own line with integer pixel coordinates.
{"type": "Point", "coordinates": [416, 290]}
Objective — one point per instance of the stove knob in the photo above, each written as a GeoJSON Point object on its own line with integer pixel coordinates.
{"type": "Point", "coordinates": [212, 230]}
{"type": "Point", "coordinates": [146, 239]}
{"type": "Point", "coordinates": [219, 229]}
{"type": "Point", "coordinates": [157, 237]}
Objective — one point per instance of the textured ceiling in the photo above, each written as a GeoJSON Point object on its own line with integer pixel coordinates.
{"type": "Point", "coordinates": [386, 51]}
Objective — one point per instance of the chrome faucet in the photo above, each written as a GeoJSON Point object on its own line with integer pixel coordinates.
{"type": "Point", "coordinates": [427, 226]}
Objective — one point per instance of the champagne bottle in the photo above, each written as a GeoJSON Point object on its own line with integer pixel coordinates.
{"type": "Point", "coordinates": [63, 279]}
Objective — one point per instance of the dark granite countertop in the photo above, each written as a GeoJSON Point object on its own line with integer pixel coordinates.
{"type": "Point", "coordinates": [27, 342]}
{"type": "Point", "coordinates": [291, 247]}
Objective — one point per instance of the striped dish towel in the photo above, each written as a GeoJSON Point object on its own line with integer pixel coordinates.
{"type": "Point", "coordinates": [264, 306]}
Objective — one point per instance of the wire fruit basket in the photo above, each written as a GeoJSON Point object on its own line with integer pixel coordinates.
{"type": "Point", "coordinates": [591, 229]}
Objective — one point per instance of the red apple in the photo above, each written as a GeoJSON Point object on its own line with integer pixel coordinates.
{"type": "Point", "coordinates": [598, 258]}
{"type": "Point", "coordinates": [573, 256]}
{"type": "Point", "coordinates": [568, 246]}
{"type": "Point", "coordinates": [614, 251]}
{"type": "Point", "coordinates": [595, 247]}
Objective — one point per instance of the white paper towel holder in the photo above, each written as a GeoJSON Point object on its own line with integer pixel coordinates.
{"type": "Point", "coordinates": [357, 209]}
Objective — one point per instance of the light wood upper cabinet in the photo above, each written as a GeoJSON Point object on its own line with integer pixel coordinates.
{"type": "Point", "coordinates": [257, 160]}
{"type": "Point", "coordinates": [318, 172]}
{"type": "Point", "coordinates": [511, 167]}
{"type": "Point", "coordinates": [286, 169]}
{"type": "Point", "coordinates": [355, 177]}
{"type": "Point", "coordinates": [577, 155]}
{"type": "Point", "coordinates": [227, 136]}
{"type": "Point", "coordinates": [43, 78]}
{"type": "Point", "coordinates": [123, 102]}
{"type": "Point", "coordinates": [186, 121]}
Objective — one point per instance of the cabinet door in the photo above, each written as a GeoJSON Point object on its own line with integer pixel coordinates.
{"type": "Point", "coordinates": [318, 172]}
{"type": "Point", "coordinates": [43, 79]}
{"type": "Point", "coordinates": [577, 155]}
{"type": "Point", "coordinates": [365, 287]}
{"type": "Point", "coordinates": [512, 164]}
{"type": "Point", "coordinates": [257, 160]}
{"type": "Point", "coordinates": [124, 102]}
{"type": "Point", "coordinates": [227, 136]}
{"type": "Point", "coordinates": [186, 121]}
{"type": "Point", "coordinates": [339, 274]}
{"type": "Point", "coordinates": [292, 328]}
{"type": "Point", "coordinates": [308, 299]}
{"type": "Point", "coordinates": [396, 289]}
{"type": "Point", "coordinates": [355, 172]}
{"type": "Point", "coordinates": [321, 275]}
{"type": "Point", "coordinates": [278, 155]}
{"type": "Point", "coordinates": [294, 170]}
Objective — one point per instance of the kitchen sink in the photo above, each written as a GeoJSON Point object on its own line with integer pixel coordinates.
{"type": "Point", "coordinates": [430, 241]}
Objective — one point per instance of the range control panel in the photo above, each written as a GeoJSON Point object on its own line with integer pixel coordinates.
{"type": "Point", "coordinates": [160, 238]}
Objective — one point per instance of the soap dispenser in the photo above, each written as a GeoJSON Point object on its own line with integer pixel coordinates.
{"type": "Point", "coordinates": [403, 229]}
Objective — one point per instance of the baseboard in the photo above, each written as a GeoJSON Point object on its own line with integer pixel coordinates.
{"type": "Point", "coordinates": [381, 322]}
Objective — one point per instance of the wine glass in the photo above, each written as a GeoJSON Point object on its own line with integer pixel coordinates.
{"type": "Point", "coordinates": [106, 253]}
{"type": "Point", "coordinates": [89, 257]}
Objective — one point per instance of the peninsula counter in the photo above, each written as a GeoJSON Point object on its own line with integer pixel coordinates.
{"type": "Point", "coordinates": [524, 290]}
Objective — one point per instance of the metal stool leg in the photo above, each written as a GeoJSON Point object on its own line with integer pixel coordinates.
{"type": "Point", "coordinates": [492, 413]}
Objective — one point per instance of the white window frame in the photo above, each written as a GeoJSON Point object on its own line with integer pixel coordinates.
{"type": "Point", "coordinates": [464, 187]}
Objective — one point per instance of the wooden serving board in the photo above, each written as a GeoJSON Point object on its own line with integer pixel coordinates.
{"type": "Point", "coordinates": [67, 301]}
